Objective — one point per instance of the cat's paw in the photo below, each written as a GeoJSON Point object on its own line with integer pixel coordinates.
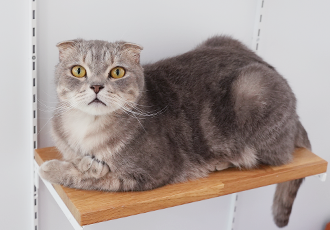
{"type": "Point", "coordinates": [222, 166]}
{"type": "Point", "coordinates": [92, 167]}
{"type": "Point", "coordinates": [55, 171]}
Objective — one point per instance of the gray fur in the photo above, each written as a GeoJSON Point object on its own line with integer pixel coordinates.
{"type": "Point", "coordinates": [178, 119]}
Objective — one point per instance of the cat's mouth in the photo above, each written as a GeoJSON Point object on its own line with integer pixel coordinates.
{"type": "Point", "coordinates": [96, 100]}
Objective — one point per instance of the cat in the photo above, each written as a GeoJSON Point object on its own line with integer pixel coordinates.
{"type": "Point", "coordinates": [121, 126]}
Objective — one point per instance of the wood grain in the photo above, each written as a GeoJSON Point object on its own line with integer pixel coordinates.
{"type": "Point", "coordinates": [90, 207]}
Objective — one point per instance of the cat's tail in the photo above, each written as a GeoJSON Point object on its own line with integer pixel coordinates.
{"type": "Point", "coordinates": [285, 195]}
{"type": "Point", "coordinates": [302, 140]}
{"type": "Point", "coordinates": [286, 192]}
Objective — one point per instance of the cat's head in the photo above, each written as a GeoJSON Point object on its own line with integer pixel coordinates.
{"type": "Point", "coordinates": [99, 77]}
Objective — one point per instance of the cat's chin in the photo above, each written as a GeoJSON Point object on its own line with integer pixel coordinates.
{"type": "Point", "coordinates": [97, 110]}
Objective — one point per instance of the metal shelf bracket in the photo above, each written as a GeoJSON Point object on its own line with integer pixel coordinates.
{"type": "Point", "coordinates": [322, 176]}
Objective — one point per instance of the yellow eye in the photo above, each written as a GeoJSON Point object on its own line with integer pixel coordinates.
{"type": "Point", "coordinates": [117, 72]}
{"type": "Point", "coordinates": [78, 71]}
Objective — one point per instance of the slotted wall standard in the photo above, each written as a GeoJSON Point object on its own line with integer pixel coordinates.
{"type": "Point", "coordinates": [34, 103]}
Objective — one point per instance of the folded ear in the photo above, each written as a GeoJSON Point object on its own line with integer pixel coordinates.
{"type": "Point", "coordinates": [65, 48]}
{"type": "Point", "coordinates": [133, 51]}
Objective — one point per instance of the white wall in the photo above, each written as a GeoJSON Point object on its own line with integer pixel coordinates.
{"type": "Point", "coordinates": [295, 39]}
{"type": "Point", "coordinates": [16, 195]}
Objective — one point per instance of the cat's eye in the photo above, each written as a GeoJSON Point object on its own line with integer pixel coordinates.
{"type": "Point", "coordinates": [78, 71]}
{"type": "Point", "coordinates": [117, 72]}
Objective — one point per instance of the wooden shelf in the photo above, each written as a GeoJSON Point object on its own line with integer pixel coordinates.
{"type": "Point", "coordinates": [90, 207]}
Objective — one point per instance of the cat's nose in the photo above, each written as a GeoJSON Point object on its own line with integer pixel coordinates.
{"type": "Point", "coordinates": [97, 88]}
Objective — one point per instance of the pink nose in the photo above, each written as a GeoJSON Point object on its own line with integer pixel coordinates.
{"type": "Point", "coordinates": [97, 88]}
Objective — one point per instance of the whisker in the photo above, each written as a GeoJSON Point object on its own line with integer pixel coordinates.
{"type": "Point", "coordinates": [128, 113]}
{"type": "Point", "coordinates": [63, 108]}
{"type": "Point", "coordinates": [130, 107]}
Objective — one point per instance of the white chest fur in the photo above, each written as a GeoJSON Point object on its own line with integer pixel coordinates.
{"type": "Point", "coordinates": [84, 131]}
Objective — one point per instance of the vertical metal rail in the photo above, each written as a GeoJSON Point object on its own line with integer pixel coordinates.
{"type": "Point", "coordinates": [258, 26]}
{"type": "Point", "coordinates": [255, 46]}
{"type": "Point", "coordinates": [34, 103]}
{"type": "Point", "coordinates": [232, 211]}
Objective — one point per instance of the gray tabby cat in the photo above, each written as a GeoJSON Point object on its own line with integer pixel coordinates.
{"type": "Point", "coordinates": [124, 127]}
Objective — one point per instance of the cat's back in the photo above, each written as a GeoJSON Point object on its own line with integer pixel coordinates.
{"type": "Point", "coordinates": [219, 49]}
{"type": "Point", "coordinates": [215, 59]}
{"type": "Point", "coordinates": [208, 70]}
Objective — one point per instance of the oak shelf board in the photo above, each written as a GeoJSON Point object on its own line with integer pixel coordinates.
{"type": "Point", "coordinates": [89, 207]}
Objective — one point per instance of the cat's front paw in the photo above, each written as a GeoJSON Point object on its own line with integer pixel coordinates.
{"type": "Point", "coordinates": [92, 167]}
{"type": "Point", "coordinates": [55, 171]}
